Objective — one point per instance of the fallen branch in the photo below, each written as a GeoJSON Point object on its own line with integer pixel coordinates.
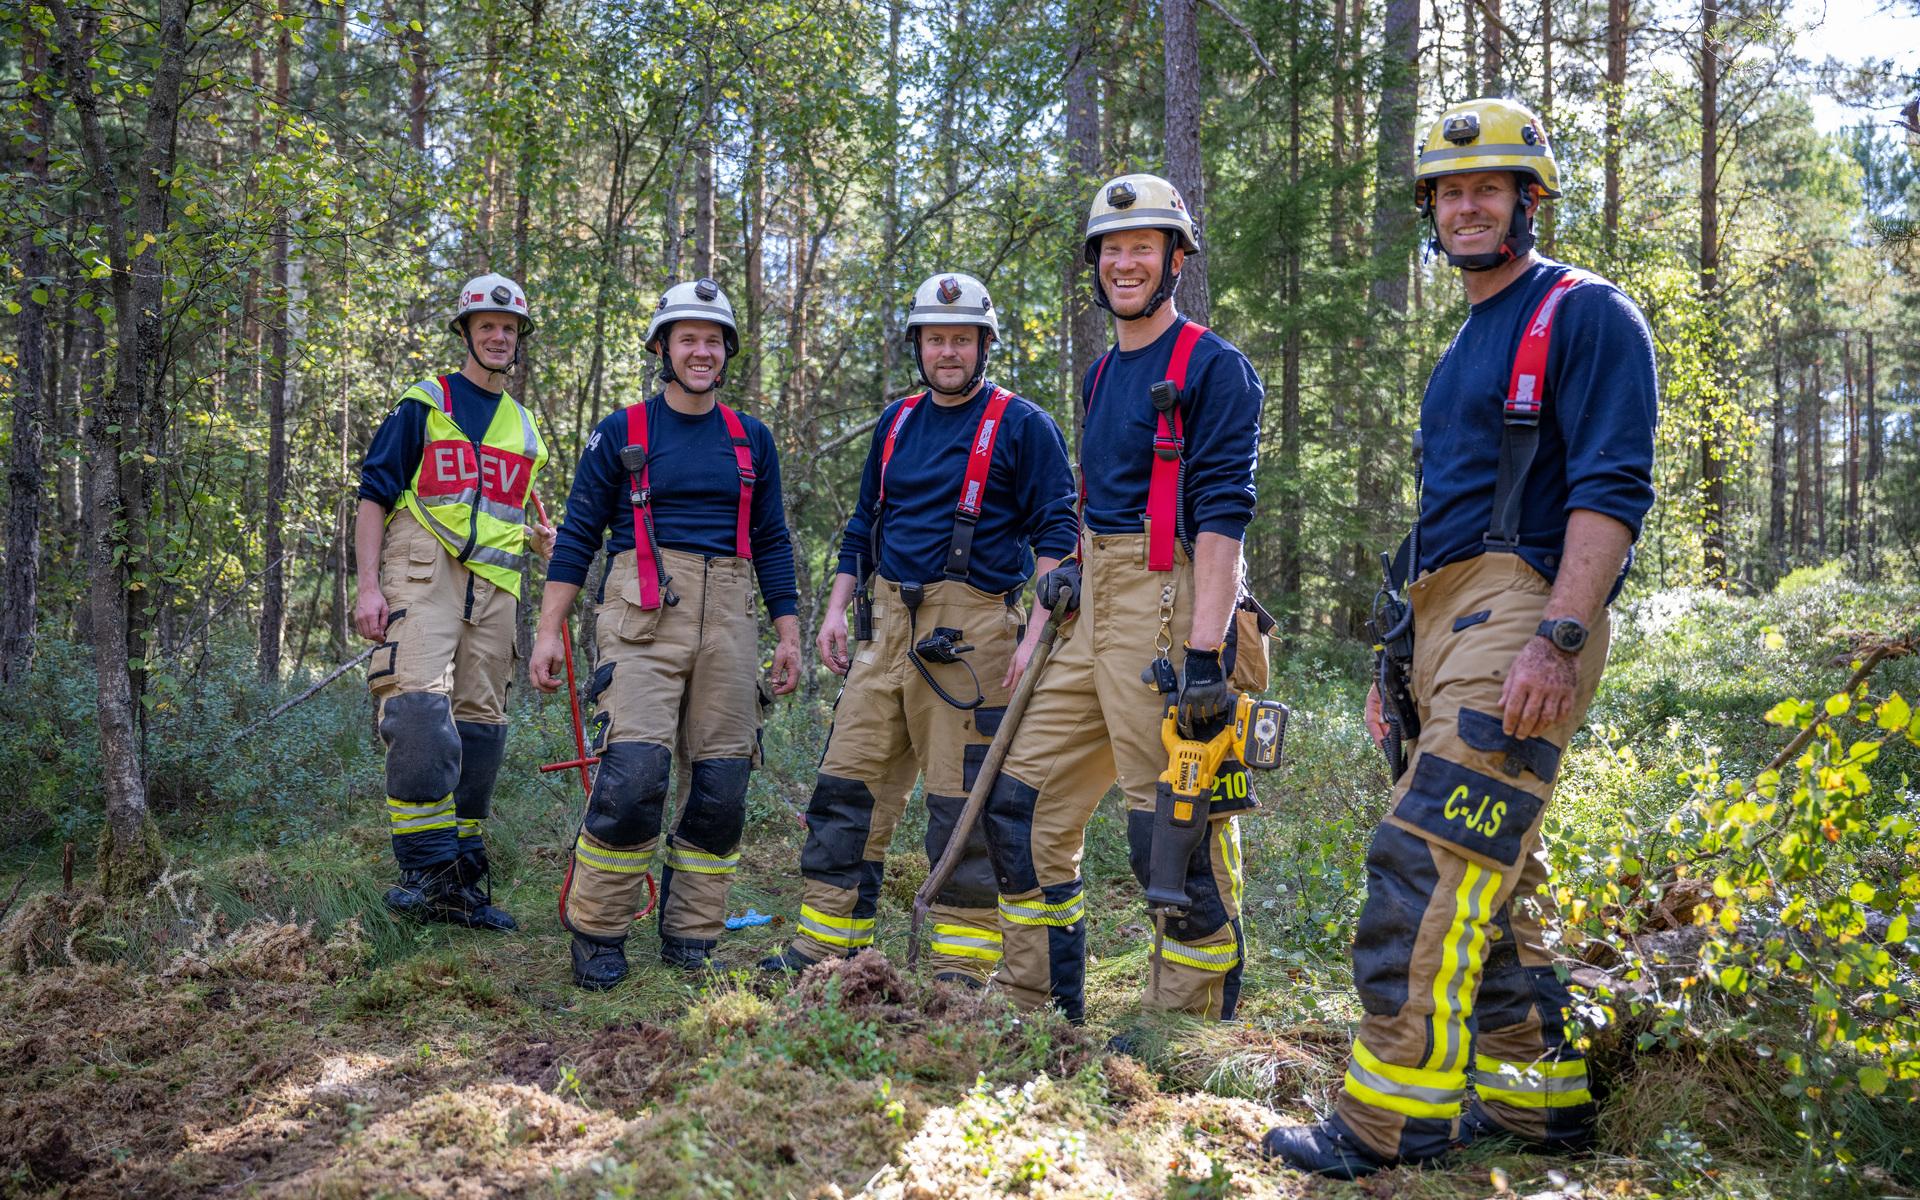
{"type": "Point", "coordinates": [1800, 741]}
{"type": "Point", "coordinates": [1241, 27]}
{"type": "Point", "coordinates": [332, 675]}
{"type": "Point", "coordinates": [12, 896]}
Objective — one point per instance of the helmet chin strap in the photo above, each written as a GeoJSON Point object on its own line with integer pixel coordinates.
{"type": "Point", "coordinates": [1169, 283]}
{"type": "Point", "coordinates": [667, 375]}
{"type": "Point", "coordinates": [1516, 244]}
{"type": "Point", "coordinates": [979, 364]}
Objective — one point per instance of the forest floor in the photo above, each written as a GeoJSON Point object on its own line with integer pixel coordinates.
{"type": "Point", "coordinates": [259, 1026]}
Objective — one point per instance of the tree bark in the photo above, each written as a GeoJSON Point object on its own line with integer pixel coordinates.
{"type": "Point", "coordinates": [1777, 474]}
{"type": "Point", "coordinates": [26, 473]}
{"type": "Point", "coordinates": [1616, 99]}
{"type": "Point", "coordinates": [273, 610]}
{"type": "Point", "coordinates": [1393, 215]}
{"type": "Point", "coordinates": [1086, 322]}
{"type": "Point", "coordinates": [890, 283]}
{"type": "Point", "coordinates": [1495, 56]}
{"type": "Point", "coordinates": [1802, 483]}
{"type": "Point", "coordinates": [1546, 112]}
{"type": "Point", "coordinates": [1290, 551]}
{"type": "Point", "coordinates": [1850, 451]}
{"type": "Point", "coordinates": [130, 852]}
{"type": "Point", "coordinates": [1712, 463]}
{"type": "Point", "coordinates": [1873, 468]}
{"type": "Point", "coordinates": [1186, 166]}
{"type": "Point", "coordinates": [703, 204]}
{"type": "Point", "coordinates": [756, 232]}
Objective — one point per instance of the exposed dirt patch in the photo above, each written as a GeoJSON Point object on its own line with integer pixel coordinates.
{"type": "Point", "coordinates": [866, 982]}
{"type": "Point", "coordinates": [624, 1067]}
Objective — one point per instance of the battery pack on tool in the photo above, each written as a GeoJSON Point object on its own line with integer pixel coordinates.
{"type": "Point", "coordinates": [1260, 732]}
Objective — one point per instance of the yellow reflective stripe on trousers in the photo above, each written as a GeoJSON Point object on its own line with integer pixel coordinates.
{"type": "Point", "coordinates": [1040, 912]}
{"type": "Point", "coordinates": [620, 862]}
{"type": "Point", "coordinates": [1409, 1091]}
{"type": "Point", "coordinates": [848, 932]}
{"type": "Point", "coordinates": [967, 941]}
{"type": "Point", "coordinates": [407, 817]}
{"type": "Point", "coordinates": [469, 827]}
{"type": "Point", "coordinates": [1532, 1084]}
{"type": "Point", "coordinates": [1461, 953]}
{"type": "Point", "coordinates": [1224, 956]}
{"type": "Point", "coordinates": [686, 858]}
{"type": "Point", "coordinates": [1230, 855]}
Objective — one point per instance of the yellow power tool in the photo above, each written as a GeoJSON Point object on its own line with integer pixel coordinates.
{"type": "Point", "coordinates": [1184, 798]}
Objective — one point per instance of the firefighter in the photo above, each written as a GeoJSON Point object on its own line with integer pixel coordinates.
{"type": "Point", "coordinates": [439, 542]}
{"type": "Point", "coordinates": [1538, 444]}
{"type": "Point", "coordinates": [965, 486]}
{"type": "Point", "coordinates": [1167, 494]}
{"type": "Point", "coordinates": [684, 494]}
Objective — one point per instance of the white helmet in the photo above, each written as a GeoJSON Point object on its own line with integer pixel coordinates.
{"type": "Point", "coordinates": [697, 300]}
{"type": "Point", "coordinates": [491, 293]}
{"type": "Point", "coordinates": [951, 298]}
{"type": "Point", "coordinates": [1141, 202]}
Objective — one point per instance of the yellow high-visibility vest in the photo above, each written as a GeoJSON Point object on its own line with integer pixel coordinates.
{"type": "Point", "coordinates": [473, 497]}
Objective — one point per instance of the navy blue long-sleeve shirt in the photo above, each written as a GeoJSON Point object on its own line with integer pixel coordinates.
{"type": "Point", "coordinates": [1220, 414]}
{"type": "Point", "coordinates": [696, 494]}
{"type": "Point", "coordinates": [1596, 428]}
{"type": "Point", "coordinates": [1028, 506]}
{"type": "Point", "coordinates": [394, 454]}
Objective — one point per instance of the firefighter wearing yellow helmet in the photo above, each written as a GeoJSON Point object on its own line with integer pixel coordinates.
{"type": "Point", "coordinates": [440, 541]}
{"type": "Point", "coordinates": [1537, 430]}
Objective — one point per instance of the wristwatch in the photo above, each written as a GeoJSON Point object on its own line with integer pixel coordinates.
{"type": "Point", "coordinates": [1566, 634]}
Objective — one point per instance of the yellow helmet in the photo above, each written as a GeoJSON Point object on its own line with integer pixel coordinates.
{"type": "Point", "coordinates": [1485, 135]}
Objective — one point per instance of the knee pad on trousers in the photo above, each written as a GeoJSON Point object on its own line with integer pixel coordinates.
{"type": "Point", "coordinates": [839, 820]}
{"type": "Point", "coordinates": [972, 884]}
{"type": "Point", "coordinates": [423, 747]}
{"type": "Point", "coordinates": [1506, 995]}
{"type": "Point", "coordinates": [1206, 910]}
{"type": "Point", "coordinates": [1401, 880]}
{"type": "Point", "coordinates": [482, 747]}
{"type": "Point", "coordinates": [1009, 822]}
{"type": "Point", "coordinates": [716, 810]}
{"type": "Point", "coordinates": [628, 793]}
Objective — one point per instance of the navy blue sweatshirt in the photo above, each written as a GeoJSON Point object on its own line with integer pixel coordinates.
{"type": "Point", "coordinates": [696, 497]}
{"type": "Point", "coordinates": [1221, 415]}
{"type": "Point", "coordinates": [1596, 429]}
{"type": "Point", "coordinates": [1028, 508]}
{"type": "Point", "coordinates": [394, 454]}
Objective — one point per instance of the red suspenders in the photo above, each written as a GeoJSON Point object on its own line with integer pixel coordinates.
{"type": "Point", "coordinates": [646, 564]}
{"type": "Point", "coordinates": [1520, 435]}
{"type": "Point", "coordinates": [973, 488]}
{"type": "Point", "coordinates": [1169, 439]}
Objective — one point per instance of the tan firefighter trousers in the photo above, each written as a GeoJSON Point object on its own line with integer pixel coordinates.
{"type": "Point", "coordinates": [440, 680]}
{"type": "Point", "coordinates": [889, 727]}
{"type": "Point", "coordinates": [1092, 721]}
{"type": "Point", "coordinates": [1454, 977]}
{"type": "Point", "coordinates": [686, 671]}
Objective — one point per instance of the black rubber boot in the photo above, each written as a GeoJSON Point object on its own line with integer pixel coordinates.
{"type": "Point", "coordinates": [688, 954]}
{"type": "Point", "coordinates": [1476, 1125]}
{"type": "Point", "coordinates": [470, 901]}
{"type": "Point", "coordinates": [960, 979]}
{"type": "Point", "coordinates": [421, 892]}
{"type": "Point", "coordinates": [789, 962]}
{"type": "Point", "coordinates": [599, 964]}
{"type": "Point", "coordinates": [1324, 1149]}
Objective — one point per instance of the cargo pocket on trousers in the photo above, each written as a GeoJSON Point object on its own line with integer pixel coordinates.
{"type": "Point", "coordinates": [637, 624]}
{"type": "Point", "coordinates": [1477, 813]}
{"type": "Point", "coordinates": [423, 557]}
{"type": "Point", "coordinates": [386, 656]}
{"type": "Point", "coordinates": [1486, 733]}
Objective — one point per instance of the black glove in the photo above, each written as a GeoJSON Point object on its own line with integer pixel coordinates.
{"type": "Point", "coordinates": [1059, 590]}
{"type": "Point", "coordinates": [1204, 702]}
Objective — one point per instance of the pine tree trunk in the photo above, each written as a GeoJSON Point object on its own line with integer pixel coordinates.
{"type": "Point", "coordinates": [1871, 493]}
{"type": "Point", "coordinates": [1616, 100]}
{"type": "Point", "coordinates": [890, 282]}
{"type": "Point", "coordinates": [1802, 484]}
{"type": "Point", "coordinates": [1291, 568]}
{"type": "Point", "coordinates": [1186, 166]}
{"type": "Point", "coordinates": [1712, 463]}
{"type": "Point", "coordinates": [1850, 450]}
{"type": "Point", "coordinates": [19, 596]}
{"type": "Point", "coordinates": [1777, 474]}
{"type": "Point", "coordinates": [273, 612]}
{"type": "Point", "coordinates": [756, 233]}
{"type": "Point", "coordinates": [1087, 323]}
{"type": "Point", "coordinates": [1393, 217]}
{"type": "Point", "coordinates": [1546, 112]}
{"type": "Point", "coordinates": [1495, 68]}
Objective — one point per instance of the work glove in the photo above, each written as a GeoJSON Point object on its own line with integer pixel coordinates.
{"type": "Point", "coordinates": [1204, 703]}
{"type": "Point", "coordinates": [1059, 590]}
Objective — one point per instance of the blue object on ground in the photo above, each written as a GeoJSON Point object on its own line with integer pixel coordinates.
{"type": "Point", "coordinates": [752, 918]}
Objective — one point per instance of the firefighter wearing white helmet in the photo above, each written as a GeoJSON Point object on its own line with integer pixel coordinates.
{"type": "Point", "coordinates": [1172, 425]}
{"type": "Point", "coordinates": [1538, 430]}
{"type": "Point", "coordinates": [682, 494]}
{"type": "Point", "coordinates": [966, 486]}
{"type": "Point", "coordinates": [440, 542]}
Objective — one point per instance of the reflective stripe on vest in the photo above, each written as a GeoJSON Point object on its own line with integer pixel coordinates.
{"type": "Point", "coordinates": [1526, 395]}
{"type": "Point", "coordinates": [1169, 443]}
{"type": "Point", "coordinates": [472, 495]}
{"type": "Point", "coordinates": [973, 486]}
{"type": "Point", "coordinates": [645, 564]}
